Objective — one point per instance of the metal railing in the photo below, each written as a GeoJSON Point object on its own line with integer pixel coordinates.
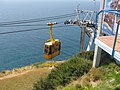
{"type": "Point", "coordinates": [115, 12]}
{"type": "Point", "coordinates": [115, 39]}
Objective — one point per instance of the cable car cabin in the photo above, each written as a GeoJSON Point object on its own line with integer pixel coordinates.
{"type": "Point", "coordinates": [52, 48]}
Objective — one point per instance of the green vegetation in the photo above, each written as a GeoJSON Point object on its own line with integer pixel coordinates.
{"type": "Point", "coordinates": [86, 55]}
{"type": "Point", "coordinates": [107, 77]}
{"type": "Point", "coordinates": [66, 72]}
{"type": "Point", "coordinates": [30, 67]}
{"type": "Point", "coordinates": [24, 78]}
{"type": "Point", "coordinates": [77, 74]}
{"type": "Point", "coordinates": [23, 81]}
{"type": "Point", "coordinates": [111, 78]}
{"type": "Point", "coordinates": [73, 74]}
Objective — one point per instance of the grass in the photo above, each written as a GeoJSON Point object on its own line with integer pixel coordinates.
{"type": "Point", "coordinates": [63, 74]}
{"type": "Point", "coordinates": [106, 77]}
{"type": "Point", "coordinates": [25, 81]}
{"type": "Point", "coordinates": [23, 78]}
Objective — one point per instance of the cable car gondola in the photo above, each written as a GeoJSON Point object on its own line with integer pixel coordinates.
{"type": "Point", "coordinates": [52, 46]}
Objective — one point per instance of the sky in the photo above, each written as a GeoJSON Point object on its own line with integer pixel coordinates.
{"type": "Point", "coordinates": [10, 7]}
{"type": "Point", "coordinates": [43, 0]}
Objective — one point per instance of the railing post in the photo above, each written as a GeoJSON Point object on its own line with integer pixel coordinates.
{"type": "Point", "coordinates": [113, 51]}
{"type": "Point", "coordinates": [97, 53]}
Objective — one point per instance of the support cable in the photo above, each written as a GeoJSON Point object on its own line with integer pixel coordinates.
{"type": "Point", "coordinates": [27, 25]}
{"type": "Point", "coordinates": [35, 29]}
{"type": "Point", "coordinates": [37, 19]}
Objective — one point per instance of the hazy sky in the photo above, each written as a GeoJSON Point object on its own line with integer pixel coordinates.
{"type": "Point", "coordinates": [45, 0]}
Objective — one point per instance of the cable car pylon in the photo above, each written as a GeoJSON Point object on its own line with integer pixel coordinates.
{"type": "Point", "coordinates": [52, 46]}
{"type": "Point", "coordinates": [85, 20]}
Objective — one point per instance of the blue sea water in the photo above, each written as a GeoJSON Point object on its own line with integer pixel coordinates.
{"type": "Point", "coordinates": [20, 49]}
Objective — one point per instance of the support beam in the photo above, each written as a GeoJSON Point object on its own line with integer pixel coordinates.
{"type": "Point", "coordinates": [97, 56]}
{"type": "Point", "coordinates": [90, 42]}
{"type": "Point", "coordinates": [82, 39]}
{"type": "Point", "coordinates": [97, 53]}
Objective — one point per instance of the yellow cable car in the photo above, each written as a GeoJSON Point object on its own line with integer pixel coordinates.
{"type": "Point", "coordinates": [52, 46]}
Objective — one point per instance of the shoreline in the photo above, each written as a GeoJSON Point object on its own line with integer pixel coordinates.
{"type": "Point", "coordinates": [26, 69]}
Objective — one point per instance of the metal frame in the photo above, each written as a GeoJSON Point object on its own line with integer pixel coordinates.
{"type": "Point", "coordinates": [102, 11]}
{"type": "Point", "coordinates": [113, 51]}
{"type": "Point", "coordinates": [83, 18]}
{"type": "Point", "coordinates": [95, 31]}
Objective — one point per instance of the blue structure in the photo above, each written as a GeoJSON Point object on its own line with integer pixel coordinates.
{"type": "Point", "coordinates": [103, 45]}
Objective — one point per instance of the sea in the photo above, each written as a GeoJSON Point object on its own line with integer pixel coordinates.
{"type": "Point", "coordinates": [25, 48]}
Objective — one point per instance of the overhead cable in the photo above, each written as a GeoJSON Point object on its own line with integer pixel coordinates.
{"type": "Point", "coordinates": [27, 25]}
{"type": "Point", "coordinates": [37, 19]}
{"type": "Point", "coordinates": [27, 30]}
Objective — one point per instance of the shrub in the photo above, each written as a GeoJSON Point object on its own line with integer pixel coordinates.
{"type": "Point", "coordinates": [86, 55]}
{"type": "Point", "coordinates": [64, 73]}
